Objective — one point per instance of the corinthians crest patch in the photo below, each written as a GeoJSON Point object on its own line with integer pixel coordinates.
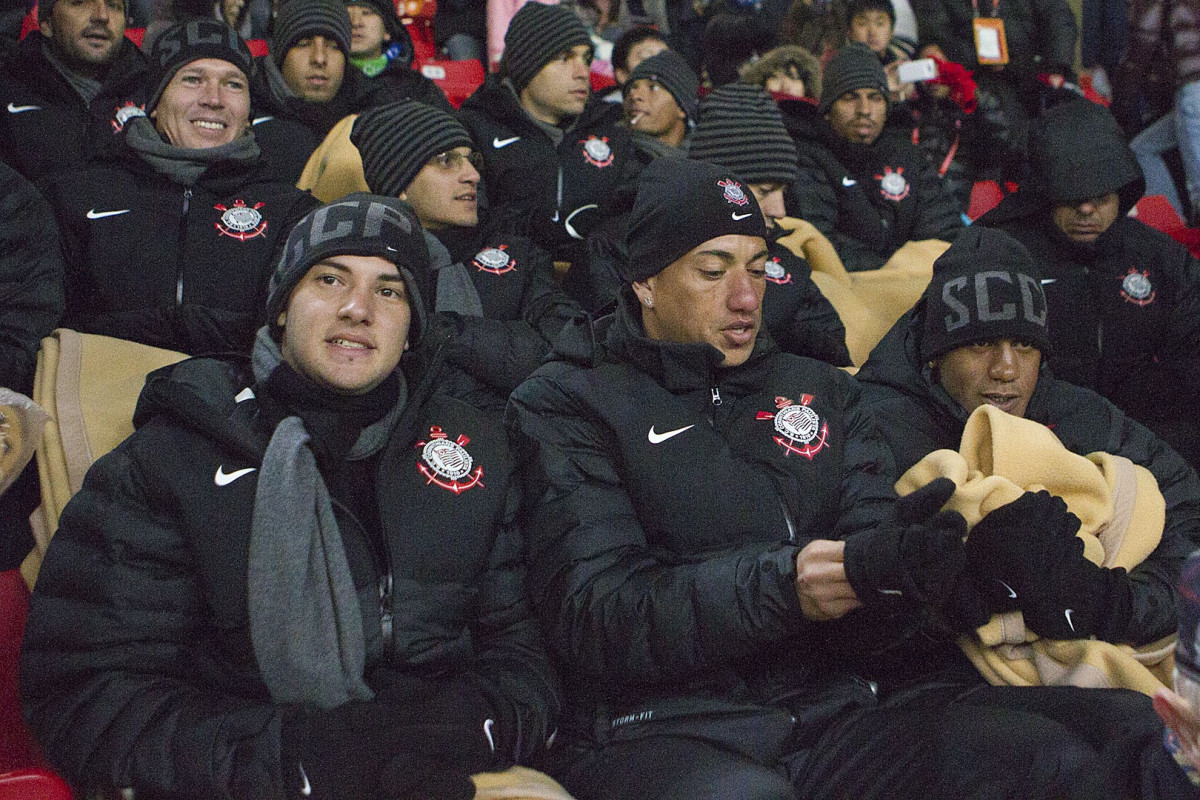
{"type": "Point", "coordinates": [241, 221]}
{"type": "Point", "coordinates": [798, 428]}
{"type": "Point", "coordinates": [447, 463]}
{"type": "Point", "coordinates": [733, 192]}
{"type": "Point", "coordinates": [776, 273]}
{"type": "Point", "coordinates": [1136, 288]}
{"type": "Point", "coordinates": [892, 184]}
{"type": "Point", "coordinates": [597, 151]}
{"type": "Point", "coordinates": [495, 260]}
{"type": "Point", "coordinates": [125, 112]}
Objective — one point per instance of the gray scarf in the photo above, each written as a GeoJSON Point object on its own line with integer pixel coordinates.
{"type": "Point", "coordinates": [305, 621]}
{"type": "Point", "coordinates": [455, 291]}
{"type": "Point", "coordinates": [185, 165]}
{"type": "Point", "coordinates": [88, 88]}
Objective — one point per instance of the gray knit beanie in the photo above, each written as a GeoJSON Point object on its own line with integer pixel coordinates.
{"type": "Point", "coordinates": [185, 42]}
{"type": "Point", "coordinates": [742, 130]}
{"type": "Point", "coordinates": [672, 72]}
{"type": "Point", "coordinates": [359, 224]}
{"type": "Point", "coordinates": [536, 34]}
{"type": "Point", "coordinates": [298, 19]}
{"type": "Point", "coordinates": [853, 67]}
{"type": "Point", "coordinates": [396, 140]}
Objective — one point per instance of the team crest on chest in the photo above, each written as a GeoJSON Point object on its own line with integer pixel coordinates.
{"type": "Point", "coordinates": [1136, 288]}
{"type": "Point", "coordinates": [447, 463]}
{"type": "Point", "coordinates": [776, 273]}
{"type": "Point", "coordinates": [495, 260]}
{"type": "Point", "coordinates": [125, 112]}
{"type": "Point", "coordinates": [241, 221]}
{"type": "Point", "coordinates": [596, 151]}
{"type": "Point", "coordinates": [798, 428]}
{"type": "Point", "coordinates": [892, 184]}
{"type": "Point", "coordinates": [733, 192]}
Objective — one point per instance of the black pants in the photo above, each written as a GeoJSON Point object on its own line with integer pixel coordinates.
{"type": "Point", "coordinates": [991, 742]}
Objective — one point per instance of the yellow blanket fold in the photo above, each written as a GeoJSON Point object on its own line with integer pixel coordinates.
{"type": "Point", "coordinates": [1122, 514]}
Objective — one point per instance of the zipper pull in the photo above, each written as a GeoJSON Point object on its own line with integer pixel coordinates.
{"type": "Point", "coordinates": [716, 396]}
{"type": "Point", "coordinates": [385, 610]}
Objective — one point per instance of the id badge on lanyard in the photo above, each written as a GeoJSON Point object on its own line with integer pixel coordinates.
{"type": "Point", "coordinates": [990, 45]}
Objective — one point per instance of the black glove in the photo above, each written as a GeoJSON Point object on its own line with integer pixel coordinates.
{"type": "Point", "coordinates": [924, 502]}
{"type": "Point", "coordinates": [920, 562]}
{"type": "Point", "coordinates": [1019, 552]}
{"type": "Point", "coordinates": [1082, 601]}
{"type": "Point", "coordinates": [415, 738]}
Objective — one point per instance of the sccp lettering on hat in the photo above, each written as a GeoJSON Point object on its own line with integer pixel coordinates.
{"type": "Point", "coordinates": [1031, 298]}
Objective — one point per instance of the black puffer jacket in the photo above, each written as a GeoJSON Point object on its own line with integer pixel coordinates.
{"type": "Point", "coordinates": [800, 318]}
{"type": "Point", "coordinates": [523, 313]}
{"type": "Point", "coordinates": [554, 194]}
{"type": "Point", "coordinates": [670, 500]}
{"type": "Point", "coordinates": [1125, 309]}
{"type": "Point", "coordinates": [155, 262]}
{"type": "Point", "coordinates": [138, 666]}
{"type": "Point", "coordinates": [31, 278]}
{"type": "Point", "coordinates": [46, 125]}
{"type": "Point", "coordinates": [916, 416]}
{"type": "Point", "coordinates": [1040, 34]}
{"type": "Point", "coordinates": [869, 200]}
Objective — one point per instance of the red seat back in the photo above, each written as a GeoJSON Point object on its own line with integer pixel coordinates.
{"type": "Point", "coordinates": [17, 749]}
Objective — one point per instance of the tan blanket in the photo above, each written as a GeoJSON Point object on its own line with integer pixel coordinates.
{"type": "Point", "coordinates": [1122, 514]}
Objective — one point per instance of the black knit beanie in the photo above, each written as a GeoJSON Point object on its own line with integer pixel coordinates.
{"type": "Point", "coordinates": [396, 140]}
{"type": "Point", "coordinates": [359, 224]}
{"type": "Point", "coordinates": [985, 287]}
{"type": "Point", "coordinates": [536, 34]}
{"type": "Point", "coordinates": [671, 71]}
{"type": "Point", "coordinates": [1077, 151]}
{"type": "Point", "coordinates": [298, 19]}
{"type": "Point", "coordinates": [853, 67]}
{"type": "Point", "coordinates": [742, 130]}
{"type": "Point", "coordinates": [185, 42]}
{"type": "Point", "coordinates": [680, 205]}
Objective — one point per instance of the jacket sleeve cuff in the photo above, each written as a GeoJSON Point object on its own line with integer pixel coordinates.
{"type": "Point", "coordinates": [872, 561]}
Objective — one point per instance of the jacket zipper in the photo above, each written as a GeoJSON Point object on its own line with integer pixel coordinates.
{"type": "Point", "coordinates": [383, 565]}
{"type": "Point", "coordinates": [187, 202]}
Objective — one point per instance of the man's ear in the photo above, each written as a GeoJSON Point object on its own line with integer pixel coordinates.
{"type": "Point", "coordinates": [645, 292]}
{"type": "Point", "coordinates": [282, 321]}
{"type": "Point", "coordinates": [46, 27]}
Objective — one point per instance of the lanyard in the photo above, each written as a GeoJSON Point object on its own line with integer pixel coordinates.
{"type": "Point", "coordinates": [975, 8]}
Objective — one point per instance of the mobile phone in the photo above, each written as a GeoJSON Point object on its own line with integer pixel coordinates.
{"type": "Point", "coordinates": [921, 69]}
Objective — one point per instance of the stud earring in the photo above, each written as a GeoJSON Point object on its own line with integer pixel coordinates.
{"type": "Point", "coordinates": [649, 302]}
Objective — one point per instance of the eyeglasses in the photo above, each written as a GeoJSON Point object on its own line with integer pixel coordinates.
{"type": "Point", "coordinates": [453, 160]}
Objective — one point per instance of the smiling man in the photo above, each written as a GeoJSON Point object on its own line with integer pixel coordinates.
{"type": "Point", "coordinates": [318, 568]}
{"type": "Point", "coordinates": [867, 191]}
{"type": "Point", "coordinates": [170, 237]}
{"type": "Point", "coordinates": [71, 85]}
{"type": "Point", "coordinates": [1128, 296]}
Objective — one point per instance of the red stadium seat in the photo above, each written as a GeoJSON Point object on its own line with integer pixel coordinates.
{"type": "Point", "coordinates": [458, 80]}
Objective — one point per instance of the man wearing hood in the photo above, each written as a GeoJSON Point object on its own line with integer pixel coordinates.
{"type": "Point", "coordinates": [868, 191]}
{"type": "Point", "coordinates": [1122, 296]}
{"type": "Point", "coordinates": [299, 578]}
{"type": "Point", "coordinates": [982, 334]}
{"type": "Point", "coordinates": [72, 83]}
{"type": "Point", "coordinates": [169, 239]}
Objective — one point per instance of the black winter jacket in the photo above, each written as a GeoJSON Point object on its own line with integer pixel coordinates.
{"type": "Point", "coordinates": [670, 498]}
{"type": "Point", "coordinates": [1040, 34]}
{"type": "Point", "coordinates": [555, 195]}
{"type": "Point", "coordinates": [917, 416]}
{"type": "Point", "coordinates": [182, 268]}
{"type": "Point", "coordinates": [1124, 314]}
{"type": "Point", "coordinates": [869, 200]}
{"type": "Point", "coordinates": [31, 278]}
{"type": "Point", "coordinates": [523, 313]}
{"type": "Point", "coordinates": [138, 666]}
{"type": "Point", "coordinates": [800, 318]}
{"type": "Point", "coordinates": [47, 126]}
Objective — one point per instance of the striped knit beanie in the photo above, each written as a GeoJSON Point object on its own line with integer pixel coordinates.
{"type": "Point", "coordinates": [536, 35]}
{"type": "Point", "coordinates": [669, 69]}
{"type": "Point", "coordinates": [853, 67]}
{"type": "Point", "coordinates": [742, 130]}
{"type": "Point", "coordinates": [185, 42]}
{"type": "Point", "coordinates": [298, 19]}
{"type": "Point", "coordinates": [396, 140]}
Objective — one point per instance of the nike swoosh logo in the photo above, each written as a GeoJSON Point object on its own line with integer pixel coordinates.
{"type": "Point", "coordinates": [739, 217]}
{"type": "Point", "coordinates": [223, 478]}
{"type": "Point", "coordinates": [487, 731]}
{"type": "Point", "coordinates": [1011, 592]}
{"type": "Point", "coordinates": [1048, 281]}
{"type": "Point", "coordinates": [659, 438]}
{"type": "Point", "coordinates": [848, 182]}
{"type": "Point", "coordinates": [305, 789]}
{"type": "Point", "coordinates": [94, 214]}
{"type": "Point", "coordinates": [12, 109]}
{"type": "Point", "coordinates": [497, 142]}
{"type": "Point", "coordinates": [1068, 614]}
{"type": "Point", "coordinates": [260, 120]}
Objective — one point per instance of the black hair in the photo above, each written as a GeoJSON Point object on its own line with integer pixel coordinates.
{"type": "Point", "coordinates": [856, 7]}
{"type": "Point", "coordinates": [630, 39]}
{"type": "Point", "coordinates": [731, 39]}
